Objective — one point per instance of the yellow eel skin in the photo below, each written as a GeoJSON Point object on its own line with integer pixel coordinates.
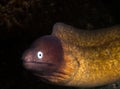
{"type": "Point", "coordinates": [97, 53]}
{"type": "Point", "coordinates": [91, 57]}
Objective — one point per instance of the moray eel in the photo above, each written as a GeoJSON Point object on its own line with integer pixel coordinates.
{"type": "Point", "coordinates": [76, 57]}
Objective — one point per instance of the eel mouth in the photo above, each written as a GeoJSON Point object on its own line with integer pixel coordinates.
{"type": "Point", "coordinates": [38, 63]}
{"type": "Point", "coordinates": [42, 68]}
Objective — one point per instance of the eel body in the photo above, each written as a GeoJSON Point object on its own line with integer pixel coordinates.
{"type": "Point", "coordinates": [76, 57]}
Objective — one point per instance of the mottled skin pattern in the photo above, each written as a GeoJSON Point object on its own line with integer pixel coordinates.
{"type": "Point", "coordinates": [97, 54]}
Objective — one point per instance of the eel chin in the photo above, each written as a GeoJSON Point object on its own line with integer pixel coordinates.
{"type": "Point", "coordinates": [52, 73]}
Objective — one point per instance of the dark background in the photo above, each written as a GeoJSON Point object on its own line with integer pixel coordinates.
{"type": "Point", "coordinates": [22, 21]}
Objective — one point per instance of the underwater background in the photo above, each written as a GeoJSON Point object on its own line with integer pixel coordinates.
{"type": "Point", "coordinates": [23, 21]}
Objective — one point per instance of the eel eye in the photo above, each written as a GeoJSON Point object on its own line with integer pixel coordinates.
{"type": "Point", "coordinates": [40, 55]}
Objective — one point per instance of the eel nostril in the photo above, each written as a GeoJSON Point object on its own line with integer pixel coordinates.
{"type": "Point", "coordinates": [27, 58]}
